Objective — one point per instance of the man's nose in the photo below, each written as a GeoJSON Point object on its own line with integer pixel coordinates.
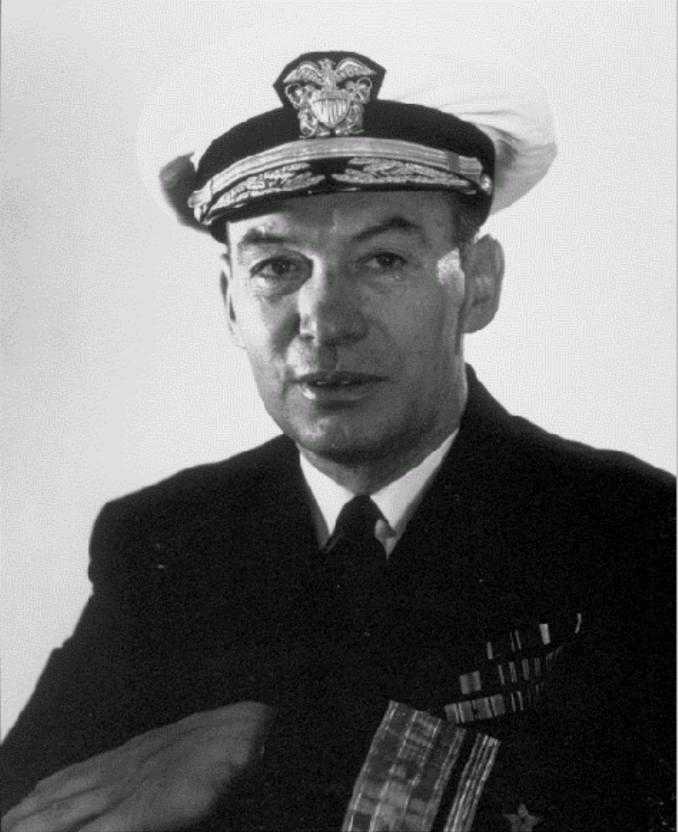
{"type": "Point", "coordinates": [330, 309]}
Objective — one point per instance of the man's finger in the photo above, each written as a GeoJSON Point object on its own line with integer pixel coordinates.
{"type": "Point", "coordinates": [68, 783]}
{"type": "Point", "coordinates": [89, 773]}
{"type": "Point", "coordinates": [108, 823]}
{"type": "Point", "coordinates": [60, 815]}
{"type": "Point", "coordinates": [181, 808]}
{"type": "Point", "coordinates": [73, 779]}
{"type": "Point", "coordinates": [112, 822]}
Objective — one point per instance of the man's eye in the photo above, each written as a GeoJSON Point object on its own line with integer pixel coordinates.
{"type": "Point", "coordinates": [277, 268]}
{"type": "Point", "coordinates": [384, 261]}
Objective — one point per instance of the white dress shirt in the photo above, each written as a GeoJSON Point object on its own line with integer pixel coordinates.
{"type": "Point", "coordinates": [396, 501]}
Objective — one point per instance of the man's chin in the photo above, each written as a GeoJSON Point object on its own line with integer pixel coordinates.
{"type": "Point", "coordinates": [344, 447]}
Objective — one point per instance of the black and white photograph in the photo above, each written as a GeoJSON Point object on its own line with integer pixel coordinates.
{"type": "Point", "coordinates": [339, 427]}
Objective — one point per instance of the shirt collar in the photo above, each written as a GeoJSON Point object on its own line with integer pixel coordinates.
{"type": "Point", "coordinates": [397, 501]}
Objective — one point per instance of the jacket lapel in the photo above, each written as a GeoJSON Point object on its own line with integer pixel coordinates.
{"type": "Point", "coordinates": [453, 545]}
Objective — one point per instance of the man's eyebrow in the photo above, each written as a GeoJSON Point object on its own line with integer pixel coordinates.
{"type": "Point", "coordinates": [394, 223]}
{"type": "Point", "coordinates": [261, 236]}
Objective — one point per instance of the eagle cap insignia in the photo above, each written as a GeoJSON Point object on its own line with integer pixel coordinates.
{"type": "Point", "coordinates": [329, 91]}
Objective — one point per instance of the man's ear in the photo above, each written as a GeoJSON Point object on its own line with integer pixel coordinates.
{"type": "Point", "coordinates": [483, 265]}
{"type": "Point", "coordinates": [226, 284]}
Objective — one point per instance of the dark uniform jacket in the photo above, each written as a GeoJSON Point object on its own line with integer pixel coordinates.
{"type": "Point", "coordinates": [530, 599]}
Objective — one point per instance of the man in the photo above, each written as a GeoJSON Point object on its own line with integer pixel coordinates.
{"type": "Point", "coordinates": [413, 610]}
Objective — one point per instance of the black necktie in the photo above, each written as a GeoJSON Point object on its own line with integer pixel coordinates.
{"type": "Point", "coordinates": [355, 564]}
{"type": "Point", "coordinates": [355, 526]}
{"type": "Point", "coordinates": [350, 592]}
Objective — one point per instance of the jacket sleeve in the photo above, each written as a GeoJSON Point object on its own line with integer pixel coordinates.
{"type": "Point", "coordinates": [177, 623]}
{"type": "Point", "coordinates": [85, 700]}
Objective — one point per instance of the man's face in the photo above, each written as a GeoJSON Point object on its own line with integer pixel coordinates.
{"type": "Point", "coordinates": [351, 309]}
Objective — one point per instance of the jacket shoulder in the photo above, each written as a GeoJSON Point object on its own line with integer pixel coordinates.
{"type": "Point", "coordinates": [584, 461]}
{"type": "Point", "coordinates": [183, 508]}
{"type": "Point", "coordinates": [511, 446]}
{"type": "Point", "coordinates": [222, 480]}
{"type": "Point", "coordinates": [538, 485]}
{"type": "Point", "coordinates": [590, 500]}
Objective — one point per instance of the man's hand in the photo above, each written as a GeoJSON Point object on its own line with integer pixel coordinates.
{"type": "Point", "coordinates": [161, 780]}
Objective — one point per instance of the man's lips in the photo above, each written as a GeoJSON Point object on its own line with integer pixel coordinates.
{"type": "Point", "coordinates": [337, 385]}
{"type": "Point", "coordinates": [337, 378]}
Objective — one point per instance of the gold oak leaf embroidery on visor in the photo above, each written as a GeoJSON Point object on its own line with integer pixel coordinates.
{"type": "Point", "coordinates": [353, 161]}
{"type": "Point", "coordinates": [285, 179]}
{"type": "Point", "coordinates": [394, 172]}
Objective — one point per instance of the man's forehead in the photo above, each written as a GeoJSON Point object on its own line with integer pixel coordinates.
{"type": "Point", "coordinates": [346, 214]}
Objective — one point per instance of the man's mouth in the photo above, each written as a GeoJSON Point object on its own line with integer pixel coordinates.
{"type": "Point", "coordinates": [337, 378]}
{"type": "Point", "coordinates": [339, 384]}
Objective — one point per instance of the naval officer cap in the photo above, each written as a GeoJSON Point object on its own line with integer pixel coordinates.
{"type": "Point", "coordinates": [334, 133]}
